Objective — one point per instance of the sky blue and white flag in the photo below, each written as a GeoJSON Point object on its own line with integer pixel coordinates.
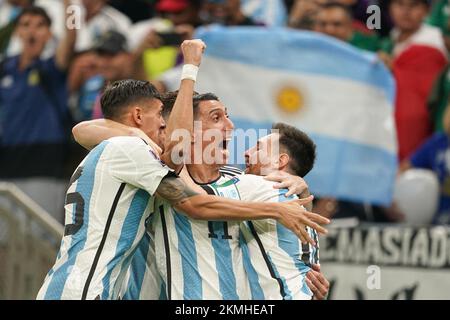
{"type": "Point", "coordinates": [341, 96]}
{"type": "Point", "coordinates": [269, 12]}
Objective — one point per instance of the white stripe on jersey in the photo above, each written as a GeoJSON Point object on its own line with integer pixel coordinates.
{"type": "Point", "coordinates": [106, 206]}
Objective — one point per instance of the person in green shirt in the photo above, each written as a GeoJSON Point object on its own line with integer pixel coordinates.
{"type": "Point", "coordinates": [335, 19]}
{"type": "Point", "coordinates": [439, 98]}
{"type": "Point", "coordinates": [439, 16]}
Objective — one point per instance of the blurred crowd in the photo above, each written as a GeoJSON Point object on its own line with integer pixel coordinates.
{"type": "Point", "coordinates": [53, 68]}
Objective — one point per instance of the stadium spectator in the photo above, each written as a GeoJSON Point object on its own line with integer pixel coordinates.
{"type": "Point", "coordinates": [438, 99]}
{"type": "Point", "coordinates": [302, 14]}
{"type": "Point", "coordinates": [33, 102]}
{"type": "Point", "coordinates": [136, 10]}
{"type": "Point", "coordinates": [417, 55]}
{"type": "Point", "coordinates": [181, 12]}
{"type": "Point", "coordinates": [107, 61]}
{"type": "Point", "coordinates": [360, 14]}
{"type": "Point", "coordinates": [434, 154]}
{"type": "Point", "coordinates": [226, 12]}
{"type": "Point", "coordinates": [335, 19]}
{"type": "Point", "coordinates": [9, 10]}
{"type": "Point", "coordinates": [156, 41]}
{"type": "Point", "coordinates": [440, 17]}
{"type": "Point", "coordinates": [98, 18]}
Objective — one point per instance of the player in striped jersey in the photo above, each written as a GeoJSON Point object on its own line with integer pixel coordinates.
{"type": "Point", "coordinates": [276, 262]}
{"type": "Point", "coordinates": [111, 192]}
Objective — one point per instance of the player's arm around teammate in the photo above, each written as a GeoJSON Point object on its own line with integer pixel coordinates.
{"type": "Point", "coordinates": [206, 207]}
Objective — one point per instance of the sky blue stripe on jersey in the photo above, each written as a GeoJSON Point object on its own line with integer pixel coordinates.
{"type": "Point", "coordinates": [85, 184]}
{"type": "Point", "coordinates": [287, 292]}
{"type": "Point", "coordinates": [138, 269]}
{"type": "Point", "coordinates": [306, 290]}
{"type": "Point", "coordinates": [162, 293]}
{"type": "Point", "coordinates": [289, 242]}
{"type": "Point", "coordinates": [58, 256]}
{"type": "Point", "coordinates": [255, 287]}
{"type": "Point", "coordinates": [122, 274]}
{"type": "Point", "coordinates": [128, 233]}
{"type": "Point", "coordinates": [186, 247]}
{"type": "Point", "coordinates": [224, 263]}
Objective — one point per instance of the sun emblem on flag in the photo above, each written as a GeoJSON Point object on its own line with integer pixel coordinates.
{"type": "Point", "coordinates": [290, 99]}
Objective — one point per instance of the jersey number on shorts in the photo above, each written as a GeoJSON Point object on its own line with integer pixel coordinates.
{"type": "Point", "coordinates": [77, 199]}
{"type": "Point", "coordinates": [212, 234]}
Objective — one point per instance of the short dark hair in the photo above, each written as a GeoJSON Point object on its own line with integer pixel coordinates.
{"type": "Point", "coordinates": [34, 11]}
{"type": "Point", "coordinates": [203, 97]}
{"type": "Point", "coordinates": [168, 100]}
{"type": "Point", "coordinates": [337, 5]}
{"type": "Point", "coordinates": [121, 94]}
{"type": "Point", "coordinates": [300, 147]}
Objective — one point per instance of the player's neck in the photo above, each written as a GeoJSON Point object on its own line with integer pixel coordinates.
{"type": "Point", "coordinates": [204, 173]}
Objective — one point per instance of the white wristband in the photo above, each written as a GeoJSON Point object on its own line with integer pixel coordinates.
{"type": "Point", "coordinates": [189, 72]}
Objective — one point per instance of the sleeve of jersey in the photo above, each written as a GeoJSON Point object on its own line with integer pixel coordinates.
{"type": "Point", "coordinates": [137, 164]}
{"type": "Point", "coordinates": [256, 188]}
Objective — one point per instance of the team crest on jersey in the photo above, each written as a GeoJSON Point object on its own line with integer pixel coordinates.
{"type": "Point", "coordinates": [228, 190]}
{"type": "Point", "coordinates": [235, 179]}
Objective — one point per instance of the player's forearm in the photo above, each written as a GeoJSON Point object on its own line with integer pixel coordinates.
{"type": "Point", "coordinates": [181, 119]}
{"type": "Point", "coordinates": [180, 125]}
{"type": "Point", "coordinates": [207, 207]}
{"type": "Point", "coordinates": [91, 133]}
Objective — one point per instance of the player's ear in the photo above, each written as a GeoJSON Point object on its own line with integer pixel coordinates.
{"type": "Point", "coordinates": [136, 112]}
{"type": "Point", "coordinates": [283, 161]}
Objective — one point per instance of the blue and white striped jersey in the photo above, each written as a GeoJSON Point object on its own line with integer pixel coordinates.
{"type": "Point", "coordinates": [107, 203]}
{"type": "Point", "coordinates": [146, 282]}
{"type": "Point", "coordinates": [275, 260]}
{"type": "Point", "coordinates": [199, 260]}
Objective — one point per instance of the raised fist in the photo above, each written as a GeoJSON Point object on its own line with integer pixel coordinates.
{"type": "Point", "coordinates": [193, 51]}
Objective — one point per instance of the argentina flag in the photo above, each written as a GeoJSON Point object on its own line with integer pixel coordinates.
{"type": "Point", "coordinates": [341, 96]}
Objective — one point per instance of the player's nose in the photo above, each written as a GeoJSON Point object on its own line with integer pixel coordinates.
{"type": "Point", "coordinates": [247, 155]}
{"type": "Point", "coordinates": [229, 124]}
